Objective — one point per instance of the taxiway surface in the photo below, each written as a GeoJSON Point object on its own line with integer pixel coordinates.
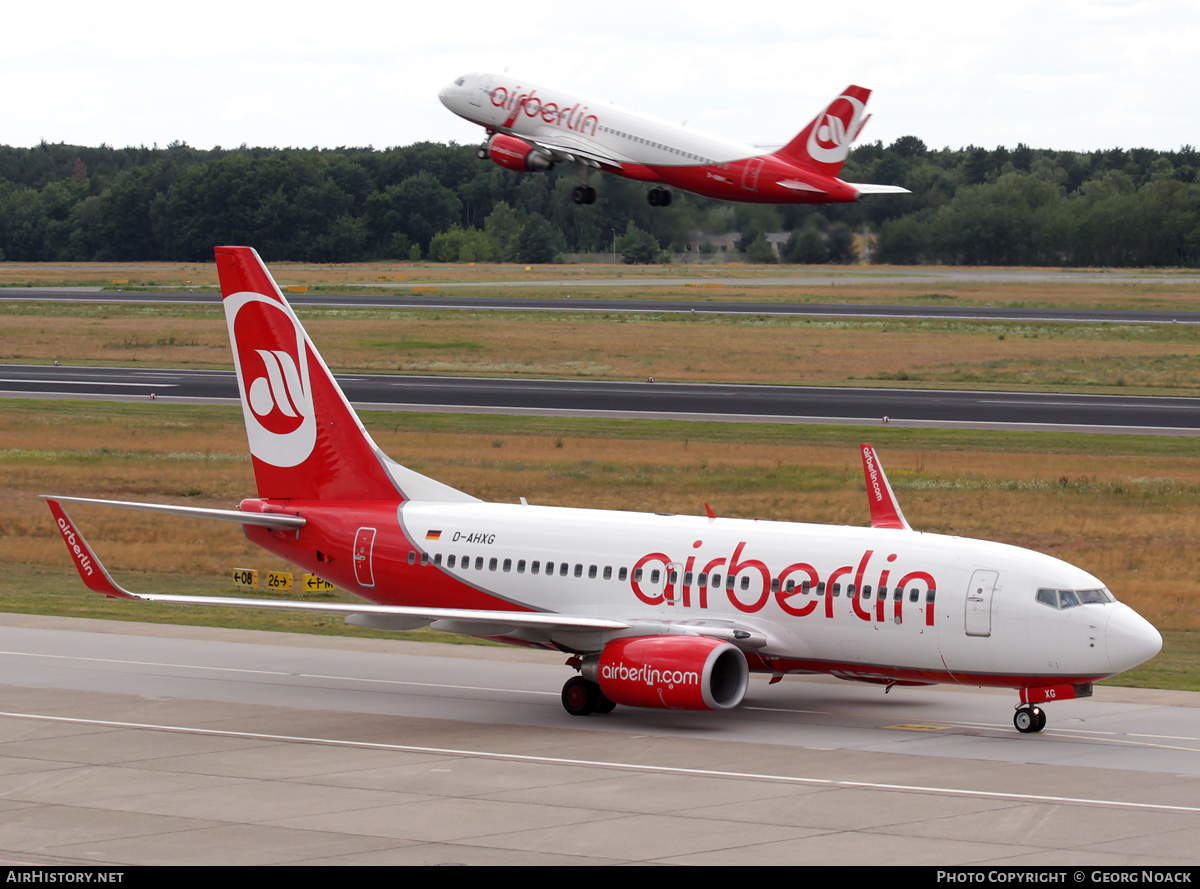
{"type": "Point", "coordinates": [130, 743]}
{"type": "Point", "coordinates": [691, 401]}
{"type": "Point", "coordinates": [455, 297]}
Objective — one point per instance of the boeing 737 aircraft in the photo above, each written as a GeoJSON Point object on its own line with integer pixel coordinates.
{"type": "Point", "coordinates": [664, 611]}
{"type": "Point", "coordinates": [533, 128]}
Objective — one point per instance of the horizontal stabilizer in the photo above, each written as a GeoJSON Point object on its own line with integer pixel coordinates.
{"type": "Point", "coordinates": [262, 519]}
{"type": "Point", "coordinates": [867, 188]}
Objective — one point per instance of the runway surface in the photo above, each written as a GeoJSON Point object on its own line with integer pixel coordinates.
{"type": "Point", "coordinates": [788, 404]}
{"type": "Point", "coordinates": [139, 744]}
{"type": "Point", "coordinates": [452, 298]}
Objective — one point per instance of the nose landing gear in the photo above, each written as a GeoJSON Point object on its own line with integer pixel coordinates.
{"type": "Point", "coordinates": [659, 197]}
{"type": "Point", "coordinates": [1029, 719]}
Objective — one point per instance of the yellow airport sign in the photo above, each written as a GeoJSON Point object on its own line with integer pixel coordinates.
{"type": "Point", "coordinates": [279, 580]}
{"type": "Point", "coordinates": [245, 577]}
{"type": "Point", "coordinates": [314, 584]}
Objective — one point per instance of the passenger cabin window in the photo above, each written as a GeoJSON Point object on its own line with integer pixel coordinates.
{"type": "Point", "coordinates": [521, 566]}
{"type": "Point", "coordinates": [534, 566]}
{"type": "Point", "coordinates": [562, 569]}
{"type": "Point", "coordinates": [508, 564]}
{"type": "Point", "coordinates": [479, 563]}
{"type": "Point", "coordinates": [412, 557]}
{"type": "Point", "coordinates": [608, 572]}
{"type": "Point", "coordinates": [450, 561]}
{"type": "Point", "coordinates": [437, 560]}
{"type": "Point", "coordinates": [622, 574]}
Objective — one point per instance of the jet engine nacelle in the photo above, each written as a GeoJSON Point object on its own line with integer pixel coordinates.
{"type": "Point", "coordinates": [517, 154]}
{"type": "Point", "coordinates": [671, 672]}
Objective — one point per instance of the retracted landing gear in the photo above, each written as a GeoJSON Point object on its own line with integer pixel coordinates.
{"type": "Point", "coordinates": [582, 698]}
{"type": "Point", "coordinates": [659, 197]}
{"type": "Point", "coordinates": [583, 194]}
{"type": "Point", "coordinates": [1028, 719]}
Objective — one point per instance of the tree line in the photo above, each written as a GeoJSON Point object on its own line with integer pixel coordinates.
{"type": "Point", "coordinates": [1022, 206]}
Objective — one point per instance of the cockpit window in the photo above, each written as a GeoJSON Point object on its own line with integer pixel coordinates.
{"type": "Point", "coordinates": [1070, 598]}
{"type": "Point", "coordinates": [459, 82]}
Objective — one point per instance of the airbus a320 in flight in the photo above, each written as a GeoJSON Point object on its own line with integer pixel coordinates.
{"type": "Point", "coordinates": [665, 611]}
{"type": "Point", "coordinates": [532, 128]}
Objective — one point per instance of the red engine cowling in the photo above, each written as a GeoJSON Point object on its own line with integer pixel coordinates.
{"type": "Point", "coordinates": [517, 154]}
{"type": "Point", "coordinates": [671, 672]}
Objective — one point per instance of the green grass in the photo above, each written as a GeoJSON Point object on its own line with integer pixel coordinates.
{"type": "Point", "coordinates": [1177, 666]}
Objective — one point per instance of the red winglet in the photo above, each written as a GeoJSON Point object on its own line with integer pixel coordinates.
{"type": "Point", "coordinates": [708, 509]}
{"type": "Point", "coordinates": [885, 511]}
{"type": "Point", "coordinates": [91, 571]}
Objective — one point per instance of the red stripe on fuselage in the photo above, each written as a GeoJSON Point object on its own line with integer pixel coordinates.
{"type": "Point", "coordinates": [878, 672]}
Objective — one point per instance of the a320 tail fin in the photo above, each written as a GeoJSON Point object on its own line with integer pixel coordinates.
{"type": "Point", "coordinates": [305, 439]}
{"type": "Point", "coordinates": [824, 143]}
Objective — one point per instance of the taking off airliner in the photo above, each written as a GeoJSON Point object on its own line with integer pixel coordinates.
{"type": "Point", "coordinates": [532, 128]}
{"type": "Point", "coordinates": [653, 610]}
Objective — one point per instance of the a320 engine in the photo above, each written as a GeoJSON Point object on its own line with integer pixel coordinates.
{"type": "Point", "coordinates": [669, 672]}
{"type": "Point", "coordinates": [516, 154]}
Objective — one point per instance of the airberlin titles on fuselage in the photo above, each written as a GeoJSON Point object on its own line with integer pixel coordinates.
{"type": "Point", "coordinates": [575, 119]}
{"type": "Point", "coordinates": [749, 584]}
{"type": "Point", "coordinates": [799, 582]}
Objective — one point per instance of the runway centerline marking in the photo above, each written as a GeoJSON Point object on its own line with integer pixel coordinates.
{"type": "Point", "coordinates": [623, 766]}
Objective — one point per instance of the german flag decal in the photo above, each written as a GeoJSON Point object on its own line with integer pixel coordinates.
{"type": "Point", "coordinates": [432, 535]}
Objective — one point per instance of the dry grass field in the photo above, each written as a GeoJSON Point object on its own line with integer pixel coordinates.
{"type": "Point", "coordinates": [1143, 359]}
{"type": "Point", "coordinates": [1149, 289]}
{"type": "Point", "coordinates": [1124, 508]}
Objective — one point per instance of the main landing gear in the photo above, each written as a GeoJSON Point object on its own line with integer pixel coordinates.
{"type": "Point", "coordinates": [582, 698]}
{"type": "Point", "coordinates": [659, 197]}
{"type": "Point", "coordinates": [583, 194]}
{"type": "Point", "coordinates": [1027, 719]}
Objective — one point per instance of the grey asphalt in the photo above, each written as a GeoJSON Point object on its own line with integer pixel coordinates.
{"type": "Point", "coordinates": [127, 744]}
{"type": "Point", "coordinates": [796, 404]}
{"type": "Point", "coordinates": [453, 299]}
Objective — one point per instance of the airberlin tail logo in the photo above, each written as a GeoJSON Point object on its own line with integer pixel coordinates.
{"type": "Point", "coordinates": [831, 136]}
{"type": "Point", "coordinates": [271, 355]}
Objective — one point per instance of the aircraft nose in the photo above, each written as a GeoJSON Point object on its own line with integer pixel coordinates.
{"type": "Point", "coordinates": [445, 92]}
{"type": "Point", "coordinates": [1131, 639]}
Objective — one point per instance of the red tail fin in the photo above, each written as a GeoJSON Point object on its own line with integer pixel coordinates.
{"type": "Point", "coordinates": [824, 143]}
{"type": "Point", "coordinates": [305, 439]}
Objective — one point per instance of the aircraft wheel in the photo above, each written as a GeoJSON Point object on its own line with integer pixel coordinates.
{"type": "Point", "coordinates": [1029, 720]}
{"type": "Point", "coordinates": [604, 705]}
{"type": "Point", "coordinates": [579, 194]}
{"type": "Point", "coordinates": [579, 697]}
{"type": "Point", "coordinates": [482, 154]}
{"type": "Point", "coordinates": [664, 199]}
{"type": "Point", "coordinates": [589, 196]}
{"type": "Point", "coordinates": [653, 197]}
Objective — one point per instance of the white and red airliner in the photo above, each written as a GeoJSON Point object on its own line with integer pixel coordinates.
{"type": "Point", "coordinates": [532, 128]}
{"type": "Point", "coordinates": [657, 610]}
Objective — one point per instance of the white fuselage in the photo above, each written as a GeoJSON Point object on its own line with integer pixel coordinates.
{"type": "Point", "coordinates": [982, 625]}
{"type": "Point", "coordinates": [506, 104]}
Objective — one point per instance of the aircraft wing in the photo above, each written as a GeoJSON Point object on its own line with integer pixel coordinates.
{"type": "Point", "coordinates": [574, 149]}
{"type": "Point", "coordinates": [478, 621]}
